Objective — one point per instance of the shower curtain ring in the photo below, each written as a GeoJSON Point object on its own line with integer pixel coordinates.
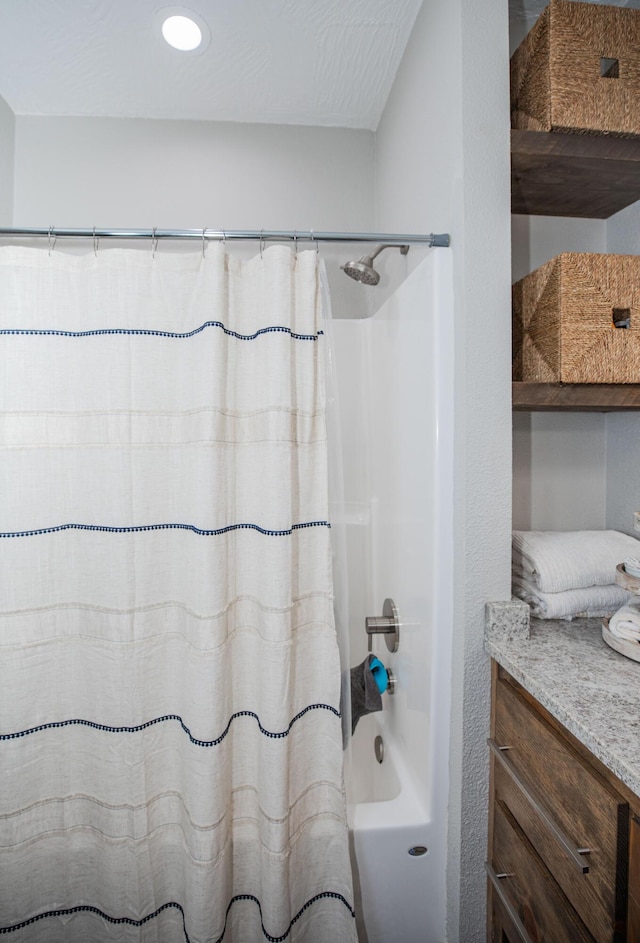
{"type": "Point", "coordinates": [154, 243]}
{"type": "Point", "coordinates": [203, 243]}
{"type": "Point", "coordinates": [52, 245]}
{"type": "Point", "coordinates": [224, 238]}
{"type": "Point", "coordinates": [313, 239]}
{"type": "Point", "coordinates": [261, 242]}
{"type": "Point", "coordinates": [295, 241]}
{"type": "Point", "coordinates": [96, 240]}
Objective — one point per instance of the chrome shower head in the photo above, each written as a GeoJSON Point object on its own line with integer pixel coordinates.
{"type": "Point", "coordinates": [363, 270]}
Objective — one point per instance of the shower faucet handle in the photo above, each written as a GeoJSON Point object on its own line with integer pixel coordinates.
{"type": "Point", "coordinates": [388, 624]}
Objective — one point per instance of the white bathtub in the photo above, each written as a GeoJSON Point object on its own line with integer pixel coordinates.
{"type": "Point", "coordinates": [395, 381]}
{"type": "Point", "coordinates": [399, 894]}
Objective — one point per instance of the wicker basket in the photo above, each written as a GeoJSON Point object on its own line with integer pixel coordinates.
{"type": "Point", "coordinates": [579, 70]}
{"type": "Point", "coordinates": [576, 319]}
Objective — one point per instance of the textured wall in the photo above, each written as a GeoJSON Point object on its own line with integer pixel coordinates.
{"type": "Point", "coordinates": [483, 420]}
{"type": "Point", "coordinates": [7, 141]}
{"type": "Point", "coordinates": [443, 164]}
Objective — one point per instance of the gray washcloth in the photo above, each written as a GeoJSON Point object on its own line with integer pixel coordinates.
{"type": "Point", "coordinates": [365, 696]}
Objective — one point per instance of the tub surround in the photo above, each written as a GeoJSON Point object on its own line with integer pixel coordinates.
{"type": "Point", "coordinates": [593, 691]}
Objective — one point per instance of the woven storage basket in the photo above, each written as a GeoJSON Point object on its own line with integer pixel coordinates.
{"type": "Point", "coordinates": [576, 319]}
{"type": "Point", "coordinates": [579, 70]}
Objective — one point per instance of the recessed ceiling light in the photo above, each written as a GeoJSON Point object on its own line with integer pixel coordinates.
{"type": "Point", "coordinates": [182, 29]}
{"type": "Point", "coordinates": [182, 33]}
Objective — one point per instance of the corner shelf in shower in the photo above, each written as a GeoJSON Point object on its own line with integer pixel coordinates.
{"type": "Point", "coordinates": [585, 397]}
{"type": "Point", "coordinates": [585, 175]}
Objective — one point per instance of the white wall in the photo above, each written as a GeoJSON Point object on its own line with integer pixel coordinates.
{"type": "Point", "coordinates": [559, 471]}
{"type": "Point", "coordinates": [622, 470]}
{"type": "Point", "coordinates": [623, 231]}
{"type": "Point", "coordinates": [419, 138]}
{"type": "Point", "coordinates": [536, 239]}
{"type": "Point", "coordinates": [134, 173]}
{"type": "Point", "coordinates": [443, 164]}
{"type": "Point", "coordinates": [7, 143]}
{"type": "Point", "coordinates": [131, 173]}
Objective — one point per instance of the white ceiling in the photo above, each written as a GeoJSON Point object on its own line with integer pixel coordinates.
{"type": "Point", "coordinates": [313, 62]}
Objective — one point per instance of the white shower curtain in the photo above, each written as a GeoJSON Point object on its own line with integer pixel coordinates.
{"type": "Point", "coordinates": [170, 738]}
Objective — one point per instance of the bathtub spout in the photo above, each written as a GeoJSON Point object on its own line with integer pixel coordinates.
{"type": "Point", "coordinates": [391, 686]}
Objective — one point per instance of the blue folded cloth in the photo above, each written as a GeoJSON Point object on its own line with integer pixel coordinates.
{"type": "Point", "coordinates": [379, 673]}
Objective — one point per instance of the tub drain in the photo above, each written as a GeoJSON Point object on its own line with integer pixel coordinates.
{"type": "Point", "coordinates": [378, 748]}
{"type": "Point", "coordinates": [418, 851]}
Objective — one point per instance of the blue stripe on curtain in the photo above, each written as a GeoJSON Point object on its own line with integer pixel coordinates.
{"type": "Point", "coordinates": [133, 332]}
{"type": "Point", "coordinates": [172, 905]}
{"type": "Point", "coordinates": [140, 528]}
{"type": "Point", "coordinates": [276, 735]}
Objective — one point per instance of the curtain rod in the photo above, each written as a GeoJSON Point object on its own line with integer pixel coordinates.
{"type": "Point", "coordinates": [263, 235]}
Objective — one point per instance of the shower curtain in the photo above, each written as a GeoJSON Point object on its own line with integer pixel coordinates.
{"type": "Point", "coordinates": [170, 733]}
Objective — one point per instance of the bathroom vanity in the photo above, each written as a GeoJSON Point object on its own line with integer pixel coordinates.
{"type": "Point", "coordinates": [563, 860]}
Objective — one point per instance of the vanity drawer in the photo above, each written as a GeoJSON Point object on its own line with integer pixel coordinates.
{"type": "Point", "coordinates": [562, 805]}
{"type": "Point", "coordinates": [531, 906]}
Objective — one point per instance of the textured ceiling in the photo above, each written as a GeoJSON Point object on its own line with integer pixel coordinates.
{"type": "Point", "coordinates": [313, 62]}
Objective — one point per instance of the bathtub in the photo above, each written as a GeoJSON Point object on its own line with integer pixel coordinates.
{"type": "Point", "coordinates": [395, 383]}
{"type": "Point", "coordinates": [396, 854]}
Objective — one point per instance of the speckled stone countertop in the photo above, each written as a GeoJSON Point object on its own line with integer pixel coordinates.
{"type": "Point", "coordinates": [591, 689]}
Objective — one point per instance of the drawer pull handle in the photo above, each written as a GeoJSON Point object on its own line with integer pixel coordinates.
{"type": "Point", "coordinates": [561, 838]}
{"type": "Point", "coordinates": [506, 903]}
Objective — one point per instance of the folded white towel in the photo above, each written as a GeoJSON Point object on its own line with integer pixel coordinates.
{"type": "Point", "coordinates": [588, 602]}
{"type": "Point", "coordinates": [556, 561]}
{"type": "Point", "coordinates": [625, 623]}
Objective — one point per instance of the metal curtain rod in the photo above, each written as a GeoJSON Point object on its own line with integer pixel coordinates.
{"type": "Point", "coordinates": [263, 235]}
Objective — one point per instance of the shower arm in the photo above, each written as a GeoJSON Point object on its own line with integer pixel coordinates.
{"type": "Point", "coordinates": [403, 249]}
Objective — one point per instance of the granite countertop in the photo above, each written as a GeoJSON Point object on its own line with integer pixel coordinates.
{"type": "Point", "coordinates": [591, 689]}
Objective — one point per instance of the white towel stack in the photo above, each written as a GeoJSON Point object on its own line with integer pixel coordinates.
{"type": "Point", "coordinates": [565, 574]}
{"type": "Point", "coordinates": [625, 623]}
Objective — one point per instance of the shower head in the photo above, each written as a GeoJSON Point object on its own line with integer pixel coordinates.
{"type": "Point", "coordinates": [363, 270]}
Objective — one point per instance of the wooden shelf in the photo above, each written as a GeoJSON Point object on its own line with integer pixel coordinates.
{"type": "Point", "coordinates": [585, 175]}
{"type": "Point", "coordinates": [585, 397]}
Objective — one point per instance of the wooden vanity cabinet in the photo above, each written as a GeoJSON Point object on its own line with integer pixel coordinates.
{"type": "Point", "coordinates": [564, 833]}
{"type": "Point", "coordinates": [633, 929]}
